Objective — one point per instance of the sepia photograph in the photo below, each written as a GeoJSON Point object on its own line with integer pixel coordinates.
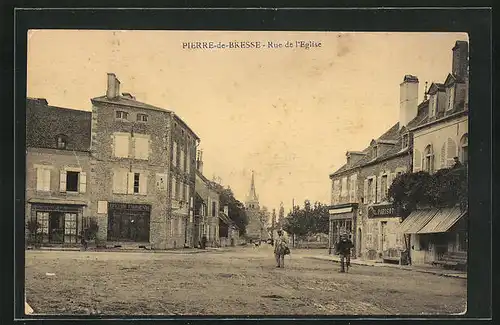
{"type": "Point", "coordinates": [271, 173]}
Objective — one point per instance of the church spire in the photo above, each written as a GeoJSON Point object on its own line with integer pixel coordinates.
{"type": "Point", "coordinates": [252, 196]}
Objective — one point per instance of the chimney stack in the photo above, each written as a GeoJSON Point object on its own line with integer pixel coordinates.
{"type": "Point", "coordinates": [113, 90]}
{"type": "Point", "coordinates": [460, 59]}
{"type": "Point", "coordinates": [408, 100]}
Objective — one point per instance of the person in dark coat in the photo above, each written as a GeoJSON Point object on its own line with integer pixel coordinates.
{"type": "Point", "coordinates": [343, 248]}
{"type": "Point", "coordinates": [203, 242]}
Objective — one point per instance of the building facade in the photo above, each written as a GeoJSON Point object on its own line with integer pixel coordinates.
{"type": "Point", "coordinates": [359, 195]}
{"type": "Point", "coordinates": [439, 142]}
{"type": "Point", "coordinates": [207, 206]}
{"type": "Point", "coordinates": [142, 172]}
{"type": "Point", "coordinates": [57, 166]}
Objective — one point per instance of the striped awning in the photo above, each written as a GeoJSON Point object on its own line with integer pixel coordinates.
{"type": "Point", "coordinates": [442, 221]}
{"type": "Point", "coordinates": [416, 221]}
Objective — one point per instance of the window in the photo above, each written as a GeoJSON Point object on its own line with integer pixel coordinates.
{"type": "Point", "coordinates": [405, 141]}
{"type": "Point", "coordinates": [370, 190]}
{"type": "Point", "coordinates": [179, 226]}
{"type": "Point", "coordinates": [121, 145]}
{"type": "Point", "coordinates": [70, 227]}
{"type": "Point", "coordinates": [344, 191]}
{"type": "Point", "coordinates": [43, 179]}
{"type": "Point", "coordinates": [61, 141]}
{"type": "Point", "coordinates": [433, 105]}
{"type": "Point", "coordinates": [428, 159]}
{"type": "Point", "coordinates": [214, 208]}
{"type": "Point", "coordinates": [120, 181]}
{"type": "Point", "coordinates": [142, 118]}
{"type": "Point", "coordinates": [172, 226]}
{"type": "Point", "coordinates": [464, 151]}
{"type": "Point", "coordinates": [174, 187]}
{"type": "Point", "coordinates": [174, 154]}
{"type": "Point", "coordinates": [451, 98]}
{"type": "Point", "coordinates": [181, 164]}
{"type": "Point", "coordinates": [141, 147]}
{"type": "Point", "coordinates": [72, 181]}
{"type": "Point", "coordinates": [136, 182]}
{"type": "Point", "coordinates": [375, 152]}
{"type": "Point", "coordinates": [121, 115]}
{"type": "Point", "coordinates": [43, 219]}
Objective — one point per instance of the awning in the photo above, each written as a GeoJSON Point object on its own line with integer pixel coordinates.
{"type": "Point", "coordinates": [57, 201]}
{"type": "Point", "coordinates": [416, 221]}
{"type": "Point", "coordinates": [442, 221]}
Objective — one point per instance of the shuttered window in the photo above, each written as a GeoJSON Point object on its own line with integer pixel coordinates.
{"type": "Point", "coordinates": [417, 160]}
{"type": "Point", "coordinates": [42, 179]}
{"type": "Point", "coordinates": [121, 145]}
{"type": "Point", "coordinates": [120, 181]}
{"type": "Point", "coordinates": [141, 147]}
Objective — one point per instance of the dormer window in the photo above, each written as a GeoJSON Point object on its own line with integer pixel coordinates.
{"type": "Point", "coordinates": [451, 98]}
{"type": "Point", "coordinates": [406, 141]}
{"type": "Point", "coordinates": [61, 141]}
{"type": "Point", "coordinates": [433, 105]}
{"type": "Point", "coordinates": [142, 118]}
{"type": "Point", "coordinates": [375, 151]}
{"type": "Point", "coordinates": [121, 115]}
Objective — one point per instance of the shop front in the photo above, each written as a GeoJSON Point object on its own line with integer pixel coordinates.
{"type": "Point", "coordinates": [57, 223]}
{"type": "Point", "coordinates": [128, 222]}
{"type": "Point", "coordinates": [342, 219]}
{"type": "Point", "coordinates": [383, 239]}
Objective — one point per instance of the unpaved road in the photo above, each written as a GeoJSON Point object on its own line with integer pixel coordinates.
{"type": "Point", "coordinates": [241, 281]}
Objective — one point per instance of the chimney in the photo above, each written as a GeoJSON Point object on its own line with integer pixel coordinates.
{"type": "Point", "coordinates": [226, 210]}
{"type": "Point", "coordinates": [199, 161]}
{"type": "Point", "coordinates": [460, 59]}
{"type": "Point", "coordinates": [408, 100]}
{"type": "Point", "coordinates": [113, 90]}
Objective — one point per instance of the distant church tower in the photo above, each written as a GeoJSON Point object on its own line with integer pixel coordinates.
{"type": "Point", "coordinates": [256, 228]}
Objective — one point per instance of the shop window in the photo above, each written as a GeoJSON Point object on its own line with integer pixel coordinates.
{"type": "Point", "coordinates": [72, 181]}
{"type": "Point", "coordinates": [70, 228]}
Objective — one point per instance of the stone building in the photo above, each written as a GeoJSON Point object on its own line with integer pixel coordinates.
{"type": "Point", "coordinates": [207, 206]}
{"type": "Point", "coordinates": [57, 166]}
{"type": "Point", "coordinates": [438, 141]}
{"type": "Point", "coordinates": [142, 172]}
{"type": "Point", "coordinates": [359, 200]}
{"type": "Point", "coordinates": [256, 229]}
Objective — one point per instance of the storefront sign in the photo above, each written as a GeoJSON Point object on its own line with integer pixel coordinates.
{"type": "Point", "coordinates": [381, 211]}
{"type": "Point", "coordinates": [129, 207]}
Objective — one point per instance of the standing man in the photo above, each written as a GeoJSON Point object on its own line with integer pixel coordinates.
{"type": "Point", "coordinates": [344, 247]}
{"type": "Point", "coordinates": [280, 249]}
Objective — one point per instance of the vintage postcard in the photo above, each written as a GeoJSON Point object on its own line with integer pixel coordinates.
{"type": "Point", "coordinates": [246, 173]}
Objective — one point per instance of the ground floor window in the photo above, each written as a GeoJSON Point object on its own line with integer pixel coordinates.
{"type": "Point", "coordinates": [57, 226]}
{"type": "Point", "coordinates": [128, 222]}
{"type": "Point", "coordinates": [339, 226]}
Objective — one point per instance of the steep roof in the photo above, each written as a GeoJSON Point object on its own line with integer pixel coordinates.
{"type": "Point", "coordinates": [392, 136]}
{"type": "Point", "coordinates": [44, 123]}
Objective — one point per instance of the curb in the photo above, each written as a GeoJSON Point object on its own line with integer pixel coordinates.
{"type": "Point", "coordinates": [457, 276]}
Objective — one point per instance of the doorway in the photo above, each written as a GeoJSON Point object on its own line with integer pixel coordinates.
{"type": "Point", "coordinates": [383, 234]}
{"type": "Point", "coordinates": [360, 240]}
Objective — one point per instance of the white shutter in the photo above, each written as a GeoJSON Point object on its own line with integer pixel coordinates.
{"type": "Point", "coordinates": [379, 189]}
{"type": "Point", "coordinates": [373, 194]}
{"type": "Point", "coordinates": [451, 152]}
{"type": "Point", "coordinates": [417, 160]}
{"type": "Point", "coordinates": [46, 179]}
{"type": "Point", "coordinates": [39, 179]}
{"type": "Point", "coordinates": [130, 183]}
{"type": "Point", "coordinates": [365, 191]}
{"type": "Point", "coordinates": [141, 147]}
{"type": "Point", "coordinates": [143, 183]}
{"type": "Point", "coordinates": [121, 145]}
{"type": "Point", "coordinates": [83, 182]}
{"type": "Point", "coordinates": [62, 181]}
{"type": "Point", "coordinates": [443, 156]}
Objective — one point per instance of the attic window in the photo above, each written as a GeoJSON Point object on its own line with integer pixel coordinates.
{"type": "Point", "coordinates": [121, 115]}
{"type": "Point", "coordinates": [405, 141]}
{"type": "Point", "coordinates": [142, 118]}
{"type": "Point", "coordinates": [375, 151]}
{"type": "Point", "coordinates": [62, 141]}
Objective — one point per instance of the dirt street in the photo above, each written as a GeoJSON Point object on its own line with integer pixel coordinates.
{"type": "Point", "coordinates": [240, 281]}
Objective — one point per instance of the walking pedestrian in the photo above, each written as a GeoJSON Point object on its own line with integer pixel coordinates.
{"type": "Point", "coordinates": [343, 248]}
{"type": "Point", "coordinates": [83, 239]}
{"type": "Point", "coordinates": [280, 250]}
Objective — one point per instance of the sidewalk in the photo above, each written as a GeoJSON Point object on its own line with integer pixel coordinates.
{"type": "Point", "coordinates": [422, 269]}
{"type": "Point", "coordinates": [132, 250]}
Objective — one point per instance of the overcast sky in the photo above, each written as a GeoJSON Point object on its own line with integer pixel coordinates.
{"type": "Point", "coordinates": [289, 114]}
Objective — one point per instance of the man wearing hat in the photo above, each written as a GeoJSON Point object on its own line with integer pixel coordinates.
{"type": "Point", "coordinates": [280, 249]}
{"type": "Point", "coordinates": [344, 247]}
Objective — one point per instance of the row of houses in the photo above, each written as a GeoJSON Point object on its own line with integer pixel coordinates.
{"type": "Point", "coordinates": [132, 167]}
{"type": "Point", "coordinates": [430, 135]}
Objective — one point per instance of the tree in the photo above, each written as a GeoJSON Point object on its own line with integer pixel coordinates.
{"type": "Point", "coordinates": [237, 211]}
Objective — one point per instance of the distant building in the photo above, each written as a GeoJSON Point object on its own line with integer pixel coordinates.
{"type": "Point", "coordinates": [439, 141]}
{"type": "Point", "coordinates": [142, 172]}
{"type": "Point", "coordinates": [256, 228]}
{"type": "Point", "coordinates": [57, 169]}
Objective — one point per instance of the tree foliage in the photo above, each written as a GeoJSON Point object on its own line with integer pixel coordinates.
{"type": "Point", "coordinates": [307, 220]}
{"type": "Point", "coordinates": [446, 187]}
{"type": "Point", "coordinates": [237, 211]}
